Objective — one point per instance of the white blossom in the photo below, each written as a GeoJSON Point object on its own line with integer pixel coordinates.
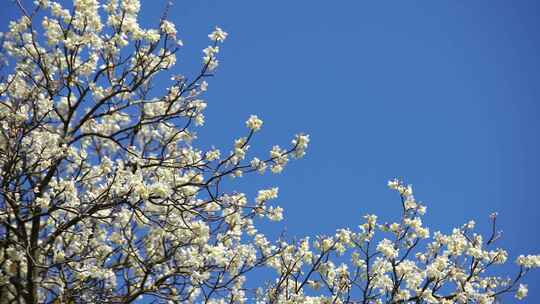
{"type": "Point", "coordinates": [522, 291]}
{"type": "Point", "coordinates": [254, 123]}
{"type": "Point", "coordinates": [218, 35]}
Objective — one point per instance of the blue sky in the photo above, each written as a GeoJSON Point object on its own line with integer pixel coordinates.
{"type": "Point", "coordinates": [443, 93]}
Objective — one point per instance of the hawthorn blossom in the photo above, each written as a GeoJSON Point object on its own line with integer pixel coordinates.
{"type": "Point", "coordinates": [254, 123]}
{"type": "Point", "coordinates": [386, 247]}
{"type": "Point", "coordinates": [522, 291]}
{"type": "Point", "coordinates": [218, 35]}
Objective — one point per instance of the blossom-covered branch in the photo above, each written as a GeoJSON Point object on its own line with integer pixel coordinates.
{"type": "Point", "coordinates": [399, 262]}
{"type": "Point", "coordinates": [103, 195]}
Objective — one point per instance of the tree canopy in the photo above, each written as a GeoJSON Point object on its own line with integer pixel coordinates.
{"type": "Point", "coordinates": [104, 196]}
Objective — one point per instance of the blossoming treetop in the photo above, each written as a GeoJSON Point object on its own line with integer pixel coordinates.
{"type": "Point", "coordinates": [104, 197]}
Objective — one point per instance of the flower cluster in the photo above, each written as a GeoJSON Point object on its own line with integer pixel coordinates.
{"type": "Point", "coordinates": [254, 123]}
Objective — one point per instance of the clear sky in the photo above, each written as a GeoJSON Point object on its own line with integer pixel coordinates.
{"type": "Point", "coordinates": [443, 93]}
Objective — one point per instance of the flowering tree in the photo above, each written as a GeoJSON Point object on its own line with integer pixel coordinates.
{"type": "Point", "coordinates": [104, 198]}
